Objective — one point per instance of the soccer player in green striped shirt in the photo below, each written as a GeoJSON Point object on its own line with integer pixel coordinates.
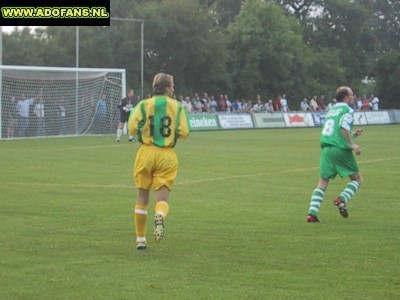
{"type": "Point", "coordinates": [158, 121]}
{"type": "Point", "coordinates": [337, 143]}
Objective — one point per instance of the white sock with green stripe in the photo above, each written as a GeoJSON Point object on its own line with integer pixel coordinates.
{"type": "Point", "coordinates": [349, 191]}
{"type": "Point", "coordinates": [316, 200]}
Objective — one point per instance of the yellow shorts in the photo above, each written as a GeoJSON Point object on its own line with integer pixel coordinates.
{"type": "Point", "coordinates": [155, 167]}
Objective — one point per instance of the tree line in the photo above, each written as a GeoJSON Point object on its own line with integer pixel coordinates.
{"type": "Point", "coordinates": [242, 48]}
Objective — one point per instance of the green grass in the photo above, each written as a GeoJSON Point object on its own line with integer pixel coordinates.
{"type": "Point", "coordinates": [236, 228]}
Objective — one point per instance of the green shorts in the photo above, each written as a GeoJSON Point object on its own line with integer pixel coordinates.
{"type": "Point", "coordinates": [336, 161]}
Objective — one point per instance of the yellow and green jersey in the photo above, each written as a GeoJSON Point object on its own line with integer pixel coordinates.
{"type": "Point", "coordinates": [159, 121]}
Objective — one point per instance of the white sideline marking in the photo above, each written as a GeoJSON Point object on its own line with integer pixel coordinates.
{"type": "Point", "coordinates": [122, 186]}
{"type": "Point", "coordinates": [76, 147]}
{"type": "Point", "coordinates": [269, 173]}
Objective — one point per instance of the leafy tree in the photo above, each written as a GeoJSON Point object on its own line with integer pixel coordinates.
{"type": "Point", "coordinates": [126, 9]}
{"type": "Point", "coordinates": [302, 9]}
{"type": "Point", "coordinates": [385, 23]}
{"type": "Point", "coordinates": [268, 55]}
{"type": "Point", "coordinates": [343, 25]}
{"type": "Point", "coordinates": [180, 40]}
{"type": "Point", "coordinates": [225, 11]}
{"type": "Point", "coordinates": [20, 47]}
{"type": "Point", "coordinates": [326, 72]}
{"type": "Point", "coordinates": [387, 77]}
{"type": "Point", "coordinates": [125, 38]}
{"type": "Point", "coordinates": [95, 49]}
{"type": "Point", "coordinates": [59, 46]}
{"type": "Point", "coordinates": [350, 30]}
{"type": "Point", "coordinates": [125, 44]}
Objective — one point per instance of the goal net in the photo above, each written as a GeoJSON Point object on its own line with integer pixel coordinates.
{"type": "Point", "coordinates": [47, 101]}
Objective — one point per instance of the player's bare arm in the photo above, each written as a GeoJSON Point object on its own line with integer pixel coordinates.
{"type": "Point", "coordinates": [356, 148]}
{"type": "Point", "coordinates": [357, 132]}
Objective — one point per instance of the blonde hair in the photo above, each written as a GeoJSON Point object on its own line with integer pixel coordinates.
{"type": "Point", "coordinates": [161, 82]}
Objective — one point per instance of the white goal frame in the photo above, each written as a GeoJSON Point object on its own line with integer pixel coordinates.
{"type": "Point", "coordinates": [77, 73]}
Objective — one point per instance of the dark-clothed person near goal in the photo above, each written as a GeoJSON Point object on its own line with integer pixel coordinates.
{"type": "Point", "coordinates": [125, 106]}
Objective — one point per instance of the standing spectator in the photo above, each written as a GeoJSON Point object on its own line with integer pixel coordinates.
{"type": "Point", "coordinates": [206, 104]}
{"type": "Point", "coordinates": [314, 104]}
{"type": "Point", "coordinates": [277, 104]}
{"type": "Point", "coordinates": [359, 104]}
{"type": "Point", "coordinates": [246, 107]}
{"type": "Point", "coordinates": [39, 112]}
{"type": "Point", "coordinates": [23, 106]}
{"type": "Point", "coordinates": [194, 99]}
{"type": "Point", "coordinates": [100, 114]}
{"type": "Point", "coordinates": [12, 117]}
{"type": "Point", "coordinates": [337, 142]}
{"type": "Point", "coordinates": [61, 115]}
{"type": "Point", "coordinates": [284, 103]}
{"type": "Point", "coordinates": [197, 104]}
{"type": "Point", "coordinates": [228, 103]}
{"type": "Point", "coordinates": [375, 102]}
{"type": "Point", "coordinates": [159, 122]}
{"type": "Point", "coordinates": [221, 103]}
{"type": "Point", "coordinates": [235, 106]}
{"type": "Point", "coordinates": [213, 105]}
{"type": "Point", "coordinates": [269, 106]}
{"type": "Point", "coordinates": [331, 104]}
{"type": "Point", "coordinates": [365, 103]}
{"type": "Point", "coordinates": [304, 105]}
{"type": "Point", "coordinates": [321, 103]}
{"type": "Point", "coordinates": [125, 107]}
{"type": "Point", "coordinates": [258, 106]}
{"type": "Point", "coordinates": [188, 105]}
{"type": "Point", "coordinates": [205, 99]}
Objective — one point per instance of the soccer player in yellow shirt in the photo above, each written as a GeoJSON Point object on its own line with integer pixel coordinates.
{"type": "Point", "coordinates": [158, 121]}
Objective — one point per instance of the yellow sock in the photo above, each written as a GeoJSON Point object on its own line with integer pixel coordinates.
{"type": "Point", "coordinates": [162, 207]}
{"type": "Point", "coordinates": [140, 217]}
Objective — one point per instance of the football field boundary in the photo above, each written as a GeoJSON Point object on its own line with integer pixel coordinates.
{"type": "Point", "coordinates": [183, 182]}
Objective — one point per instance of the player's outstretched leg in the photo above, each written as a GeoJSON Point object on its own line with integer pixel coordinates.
{"type": "Point", "coordinates": [316, 200]}
{"type": "Point", "coordinates": [158, 227]}
{"type": "Point", "coordinates": [119, 133]}
{"type": "Point", "coordinates": [140, 217]}
{"type": "Point", "coordinates": [162, 209]}
{"type": "Point", "coordinates": [312, 219]}
{"type": "Point", "coordinates": [141, 243]}
{"type": "Point", "coordinates": [348, 192]}
{"type": "Point", "coordinates": [342, 207]}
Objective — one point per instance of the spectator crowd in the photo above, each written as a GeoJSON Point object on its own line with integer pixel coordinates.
{"type": "Point", "coordinates": [24, 113]}
{"type": "Point", "coordinates": [210, 104]}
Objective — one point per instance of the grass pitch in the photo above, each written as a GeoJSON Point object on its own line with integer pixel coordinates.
{"type": "Point", "coordinates": [236, 230]}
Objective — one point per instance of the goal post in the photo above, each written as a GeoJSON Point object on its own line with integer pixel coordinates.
{"type": "Point", "coordinates": [53, 101]}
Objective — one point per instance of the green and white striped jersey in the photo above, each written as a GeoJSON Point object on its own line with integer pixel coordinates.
{"type": "Point", "coordinates": [339, 116]}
